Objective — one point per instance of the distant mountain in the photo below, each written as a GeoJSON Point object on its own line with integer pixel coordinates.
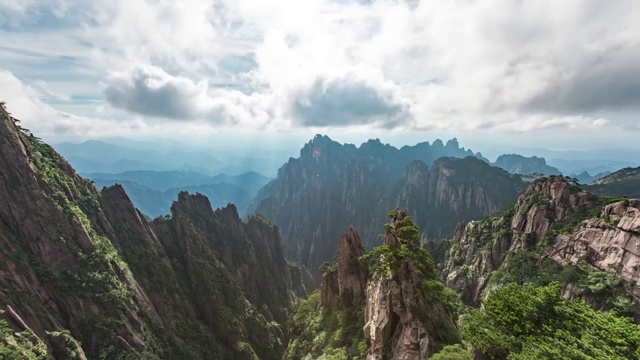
{"type": "Point", "coordinates": [331, 186]}
{"type": "Point", "coordinates": [165, 180]}
{"type": "Point", "coordinates": [591, 166]}
{"type": "Point", "coordinates": [625, 182]}
{"type": "Point", "coordinates": [111, 157]}
{"type": "Point", "coordinates": [154, 203]}
{"type": "Point", "coordinates": [585, 178]}
{"type": "Point", "coordinates": [153, 192]}
{"type": "Point", "coordinates": [518, 164]}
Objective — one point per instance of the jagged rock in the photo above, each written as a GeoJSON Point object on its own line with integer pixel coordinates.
{"type": "Point", "coordinates": [331, 186]}
{"type": "Point", "coordinates": [196, 285]}
{"type": "Point", "coordinates": [401, 318]}
{"type": "Point", "coordinates": [543, 204]}
{"type": "Point", "coordinates": [392, 322]}
{"type": "Point", "coordinates": [352, 273]}
{"type": "Point", "coordinates": [611, 248]}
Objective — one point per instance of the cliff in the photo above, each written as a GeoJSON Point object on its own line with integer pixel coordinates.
{"type": "Point", "coordinates": [332, 186]}
{"type": "Point", "coordinates": [555, 232]}
{"type": "Point", "coordinates": [83, 273]}
{"type": "Point", "coordinates": [385, 304]}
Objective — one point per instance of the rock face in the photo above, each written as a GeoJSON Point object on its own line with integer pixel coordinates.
{"type": "Point", "coordinates": [199, 285]}
{"type": "Point", "coordinates": [518, 164]}
{"type": "Point", "coordinates": [401, 318]}
{"type": "Point", "coordinates": [558, 221]}
{"type": "Point", "coordinates": [482, 246]}
{"type": "Point", "coordinates": [352, 273]}
{"type": "Point", "coordinates": [331, 186]}
{"type": "Point", "coordinates": [609, 243]}
{"type": "Point", "coordinates": [403, 312]}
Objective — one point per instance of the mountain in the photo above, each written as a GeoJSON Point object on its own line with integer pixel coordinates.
{"type": "Point", "coordinates": [625, 182]}
{"type": "Point", "coordinates": [83, 275]}
{"type": "Point", "coordinates": [165, 180]}
{"type": "Point", "coordinates": [154, 203]}
{"type": "Point", "coordinates": [585, 178]}
{"type": "Point", "coordinates": [555, 232]}
{"type": "Point", "coordinates": [518, 164]}
{"type": "Point", "coordinates": [331, 186]}
{"type": "Point", "coordinates": [385, 304]}
{"type": "Point", "coordinates": [153, 191]}
{"type": "Point", "coordinates": [592, 163]}
{"type": "Point", "coordinates": [97, 154]}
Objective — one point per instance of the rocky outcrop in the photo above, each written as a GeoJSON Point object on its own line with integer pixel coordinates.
{"type": "Point", "coordinates": [346, 280]}
{"type": "Point", "coordinates": [397, 322]}
{"type": "Point", "coordinates": [352, 272]}
{"type": "Point", "coordinates": [610, 243]}
{"type": "Point", "coordinates": [403, 319]}
{"type": "Point", "coordinates": [484, 245]}
{"type": "Point", "coordinates": [555, 220]}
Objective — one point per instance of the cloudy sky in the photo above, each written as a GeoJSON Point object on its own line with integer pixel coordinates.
{"type": "Point", "coordinates": [546, 73]}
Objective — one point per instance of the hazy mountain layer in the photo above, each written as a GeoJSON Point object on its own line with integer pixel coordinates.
{"type": "Point", "coordinates": [625, 182]}
{"type": "Point", "coordinates": [518, 164]}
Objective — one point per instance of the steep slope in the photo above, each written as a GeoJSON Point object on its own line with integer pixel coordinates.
{"type": "Point", "coordinates": [555, 232]}
{"type": "Point", "coordinates": [625, 182]}
{"type": "Point", "coordinates": [83, 272]}
{"type": "Point", "coordinates": [331, 186]}
{"type": "Point", "coordinates": [518, 164]}
{"type": "Point", "coordinates": [385, 304]}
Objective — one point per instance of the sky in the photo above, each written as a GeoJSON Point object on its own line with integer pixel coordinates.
{"type": "Point", "coordinates": [497, 74]}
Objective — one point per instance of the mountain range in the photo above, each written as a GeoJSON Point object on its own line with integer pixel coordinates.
{"type": "Point", "coordinates": [153, 192]}
{"type": "Point", "coordinates": [331, 186]}
{"type": "Point", "coordinates": [539, 269]}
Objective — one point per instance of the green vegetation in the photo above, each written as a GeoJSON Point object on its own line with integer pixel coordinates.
{"type": "Point", "coordinates": [528, 268]}
{"type": "Point", "coordinates": [528, 322]}
{"type": "Point", "coordinates": [453, 352]}
{"type": "Point", "coordinates": [331, 332]}
{"type": "Point", "coordinates": [20, 344]}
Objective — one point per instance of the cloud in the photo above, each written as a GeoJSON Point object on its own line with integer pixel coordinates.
{"type": "Point", "coordinates": [348, 100]}
{"type": "Point", "coordinates": [605, 85]}
{"type": "Point", "coordinates": [496, 65]}
{"type": "Point", "coordinates": [152, 91]}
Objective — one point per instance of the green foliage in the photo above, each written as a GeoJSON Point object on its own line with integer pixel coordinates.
{"type": "Point", "coordinates": [453, 352]}
{"type": "Point", "coordinates": [332, 332]}
{"type": "Point", "coordinates": [20, 344]}
{"type": "Point", "coordinates": [527, 322]}
{"type": "Point", "coordinates": [527, 267]}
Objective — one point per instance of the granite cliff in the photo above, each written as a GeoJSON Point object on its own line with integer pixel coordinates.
{"type": "Point", "coordinates": [84, 275]}
{"type": "Point", "coordinates": [384, 304]}
{"type": "Point", "coordinates": [555, 232]}
{"type": "Point", "coordinates": [332, 186]}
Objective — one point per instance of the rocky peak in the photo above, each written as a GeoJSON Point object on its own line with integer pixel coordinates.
{"type": "Point", "coordinates": [547, 201]}
{"type": "Point", "coordinates": [453, 143]}
{"type": "Point", "coordinates": [191, 204]}
{"type": "Point", "coordinates": [352, 273]}
{"type": "Point", "coordinates": [402, 315]}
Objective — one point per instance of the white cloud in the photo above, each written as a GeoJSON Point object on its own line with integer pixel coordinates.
{"type": "Point", "coordinates": [496, 65]}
